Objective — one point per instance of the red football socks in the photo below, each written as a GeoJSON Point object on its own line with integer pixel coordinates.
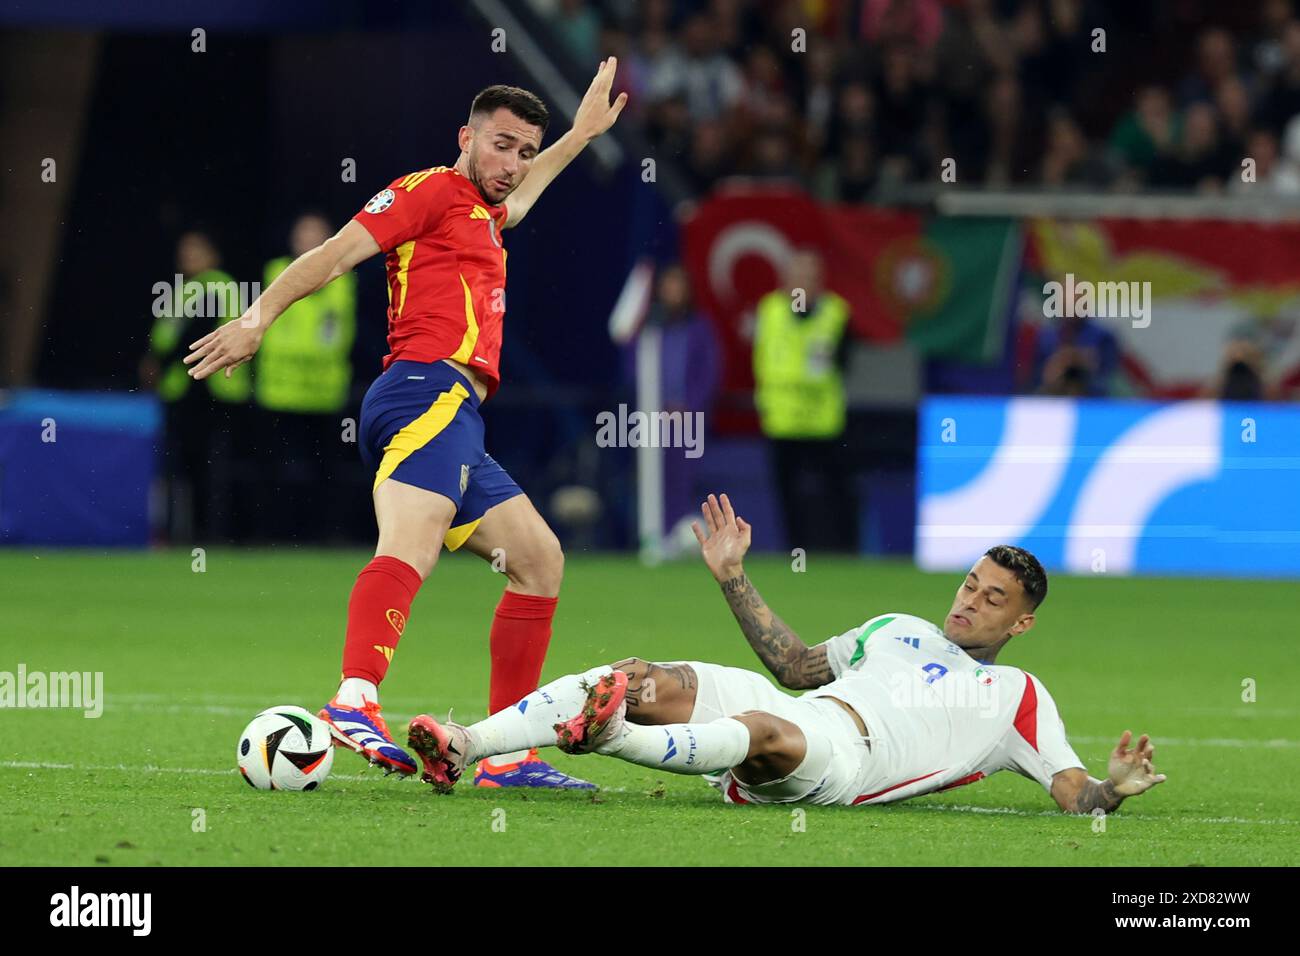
{"type": "Point", "coordinates": [377, 613]}
{"type": "Point", "coordinates": [521, 633]}
{"type": "Point", "coordinates": [381, 602]}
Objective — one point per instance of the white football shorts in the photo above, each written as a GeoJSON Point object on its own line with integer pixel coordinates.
{"type": "Point", "coordinates": [836, 764]}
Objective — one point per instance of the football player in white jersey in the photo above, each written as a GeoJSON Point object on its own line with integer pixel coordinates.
{"type": "Point", "coordinates": [895, 707]}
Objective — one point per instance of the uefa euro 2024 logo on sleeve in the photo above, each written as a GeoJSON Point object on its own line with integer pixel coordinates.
{"type": "Point", "coordinates": [379, 202]}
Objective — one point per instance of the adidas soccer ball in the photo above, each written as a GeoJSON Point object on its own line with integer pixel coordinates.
{"type": "Point", "coordinates": [285, 748]}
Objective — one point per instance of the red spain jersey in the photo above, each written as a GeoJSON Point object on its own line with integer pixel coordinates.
{"type": "Point", "coordinates": [446, 270]}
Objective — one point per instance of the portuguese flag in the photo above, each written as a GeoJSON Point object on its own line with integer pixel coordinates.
{"type": "Point", "coordinates": [950, 286]}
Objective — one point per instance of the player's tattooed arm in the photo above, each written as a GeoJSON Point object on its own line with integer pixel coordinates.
{"type": "Point", "coordinates": [1130, 772]}
{"type": "Point", "coordinates": [724, 539]}
{"type": "Point", "coordinates": [792, 662]}
{"type": "Point", "coordinates": [1088, 795]}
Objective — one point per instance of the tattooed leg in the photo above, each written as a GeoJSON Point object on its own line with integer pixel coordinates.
{"type": "Point", "coordinates": [659, 693]}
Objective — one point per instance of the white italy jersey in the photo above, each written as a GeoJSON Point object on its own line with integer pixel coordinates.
{"type": "Point", "coordinates": [936, 717]}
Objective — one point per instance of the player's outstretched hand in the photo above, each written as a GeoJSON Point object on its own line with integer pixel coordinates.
{"type": "Point", "coordinates": [727, 539]}
{"type": "Point", "coordinates": [1131, 771]}
{"type": "Point", "coordinates": [595, 114]}
{"type": "Point", "coordinates": [227, 347]}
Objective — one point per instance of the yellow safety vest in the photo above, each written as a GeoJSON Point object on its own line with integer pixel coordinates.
{"type": "Point", "coordinates": [799, 390]}
{"type": "Point", "coordinates": [304, 363]}
{"type": "Point", "coordinates": [210, 292]}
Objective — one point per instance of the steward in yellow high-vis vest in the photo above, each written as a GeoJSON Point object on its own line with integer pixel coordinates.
{"type": "Point", "coordinates": [304, 363]}
{"type": "Point", "coordinates": [207, 300]}
{"type": "Point", "coordinates": [799, 389]}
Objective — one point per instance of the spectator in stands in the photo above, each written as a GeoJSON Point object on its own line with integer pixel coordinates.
{"type": "Point", "coordinates": [1197, 160]}
{"type": "Point", "coordinates": [1261, 147]}
{"type": "Point", "coordinates": [709, 81]}
{"type": "Point", "coordinates": [1267, 53]}
{"type": "Point", "coordinates": [1067, 159]}
{"type": "Point", "coordinates": [773, 160]}
{"type": "Point", "coordinates": [1216, 62]}
{"type": "Point", "coordinates": [1285, 180]}
{"type": "Point", "coordinates": [1281, 101]}
{"type": "Point", "coordinates": [1048, 57]}
{"type": "Point", "coordinates": [850, 176]}
{"type": "Point", "coordinates": [989, 83]}
{"type": "Point", "coordinates": [1009, 158]}
{"type": "Point", "coordinates": [654, 16]}
{"type": "Point", "coordinates": [1232, 101]}
{"type": "Point", "coordinates": [578, 27]}
{"type": "Point", "coordinates": [764, 86]}
{"type": "Point", "coordinates": [710, 156]}
{"type": "Point", "coordinates": [902, 109]}
{"type": "Point", "coordinates": [964, 74]}
{"type": "Point", "coordinates": [1055, 76]}
{"type": "Point", "coordinates": [654, 40]}
{"type": "Point", "coordinates": [854, 115]}
{"type": "Point", "coordinates": [915, 22]}
{"type": "Point", "coordinates": [817, 96]}
{"type": "Point", "coordinates": [736, 26]}
{"type": "Point", "coordinates": [1148, 131]}
{"type": "Point", "coordinates": [779, 150]}
{"type": "Point", "coordinates": [1075, 356]}
{"type": "Point", "coordinates": [669, 126]}
{"type": "Point", "coordinates": [1242, 369]}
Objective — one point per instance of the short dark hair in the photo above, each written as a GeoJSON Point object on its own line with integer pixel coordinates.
{"type": "Point", "coordinates": [1025, 567]}
{"type": "Point", "coordinates": [523, 104]}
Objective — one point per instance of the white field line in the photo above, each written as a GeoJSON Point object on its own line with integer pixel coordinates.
{"type": "Point", "coordinates": [1274, 743]}
{"type": "Point", "coordinates": [415, 705]}
{"type": "Point", "coordinates": [194, 771]}
{"type": "Point", "coordinates": [1122, 815]}
{"type": "Point", "coordinates": [398, 718]}
{"type": "Point", "coordinates": [1232, 712]}
{"type": "Point", "coordinates": [153, 768]}
{"type": "Point", "coordinates": [946, 808]}
{"type": "Point", "coordinates": [246, 711]}
{"type": "Point", "coordinates": [257, 702]}
{"type": "Point", "coordinates": [251, 704]}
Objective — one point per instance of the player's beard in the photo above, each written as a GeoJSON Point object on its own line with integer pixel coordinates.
{"type": "Point", "coordinates": [477, 179]}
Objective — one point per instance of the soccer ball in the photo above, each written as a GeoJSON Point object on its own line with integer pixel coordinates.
{"type": "Point", "coordinates": [285, 748]}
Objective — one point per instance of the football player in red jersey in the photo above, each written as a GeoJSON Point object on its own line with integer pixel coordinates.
{"type": "Point", "coordinates": [420, 431]}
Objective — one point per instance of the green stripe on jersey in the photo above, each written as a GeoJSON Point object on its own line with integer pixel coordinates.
{"type": "Point", "coordinates": [862, 639]}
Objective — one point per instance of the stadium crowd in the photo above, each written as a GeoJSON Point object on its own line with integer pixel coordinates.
{"type": "Point", "coordinates": [1017, 92]}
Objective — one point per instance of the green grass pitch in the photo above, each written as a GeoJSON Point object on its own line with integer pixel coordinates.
{"type": "Point", "coordinates": [189, 657]}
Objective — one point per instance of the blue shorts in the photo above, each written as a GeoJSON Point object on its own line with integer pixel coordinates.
{"type": "Point", "coordinates": [420, 425]}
